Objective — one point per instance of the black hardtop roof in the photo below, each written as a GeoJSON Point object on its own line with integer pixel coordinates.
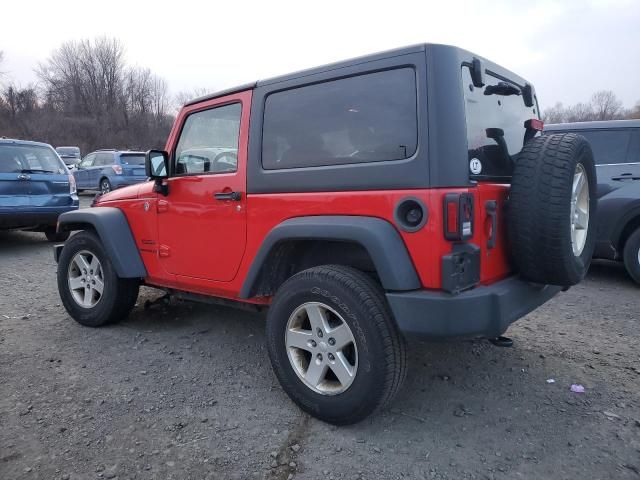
{"type": "Point", "coordinates": [464, 55]}
{"type": "Point", "coordinates": [593, 125]}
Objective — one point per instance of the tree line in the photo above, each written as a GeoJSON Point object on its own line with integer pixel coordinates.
{"type": "Point", "coordinates": [87, 95]}
{"type": "Point", "coordinates": [603, 105]}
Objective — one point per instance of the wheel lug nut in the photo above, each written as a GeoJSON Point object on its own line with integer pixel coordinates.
{"type": "Point", "coordinates": [332, 341]}
{"type": "Point", "coordinates": [319, 357]}
{"type": "Point", "coordinates": [331, 357]}
{"type": "Point", "coordinates": [312, 343]}
{"type": "Point", "coordinates": [319, 333]}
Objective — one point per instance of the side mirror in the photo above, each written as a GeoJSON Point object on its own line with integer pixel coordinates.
{"type": "Point", "coordinates": [156, 164]}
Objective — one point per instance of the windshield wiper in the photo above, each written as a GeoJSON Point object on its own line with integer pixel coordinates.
{"type": "Point", "coordinates": [34, 170]}
{"type": "Point", "coordinates": [502, 88]}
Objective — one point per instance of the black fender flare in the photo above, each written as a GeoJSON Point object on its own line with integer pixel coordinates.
{"type": "Point", "coordinates": [112, 227]}
{"type": "Point", "coordinates": [379, 237]}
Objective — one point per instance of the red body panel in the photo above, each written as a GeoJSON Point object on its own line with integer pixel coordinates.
{"type": "Point", "coordinates": [190, 241]}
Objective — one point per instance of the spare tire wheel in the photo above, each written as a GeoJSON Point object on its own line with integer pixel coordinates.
{"type": "Point", "coordinates": [551, 210]}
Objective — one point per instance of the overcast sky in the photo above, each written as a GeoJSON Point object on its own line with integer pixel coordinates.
{"type": "Point", "coordinates": [567, 49]}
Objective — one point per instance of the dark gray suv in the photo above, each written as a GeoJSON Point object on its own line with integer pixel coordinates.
{"type": "Point", "coordinates": [616, 150]}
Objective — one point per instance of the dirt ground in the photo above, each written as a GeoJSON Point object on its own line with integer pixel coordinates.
{"type": "Point", "coordinates": [186, 391]}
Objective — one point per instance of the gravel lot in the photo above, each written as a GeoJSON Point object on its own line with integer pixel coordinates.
{"type": "Point", "coordinates": [186, 391]}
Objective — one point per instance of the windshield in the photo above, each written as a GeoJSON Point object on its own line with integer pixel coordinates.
{"type": "Point", "coordinates": [29, 159]}
{"type": "Point", "coordinates": [132, 159]}
{"type": "Point", "coordinates": [69, 151]}
{"type": "Point", "coordinates": [495, 116]}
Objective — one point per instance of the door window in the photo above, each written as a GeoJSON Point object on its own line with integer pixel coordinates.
{"type": "Point", "coordinates": [609, 146]}
{"type": "Point", "coordinates": [209, 141]}
{"type": "Point", "coordinates": [88, 160]}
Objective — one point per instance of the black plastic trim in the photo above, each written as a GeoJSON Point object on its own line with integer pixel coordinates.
{"type": "Point", "coordinates": [485, 311]}
{"type": "Point", "coordinates": [115, 234]}
{"type": "Point", "coordinates": [412, 172]}
{"type": "Point", "coordinates": [400, 222]}
{"type": "Point", "coordinates": [381, 240]}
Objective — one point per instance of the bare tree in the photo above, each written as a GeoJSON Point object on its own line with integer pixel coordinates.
{"type": "Point", "coordinates": [555, 114]}
{"type": "Point", "coordinates": [606, 105]}
{"type": "Point", "coordinates": [186, 96]}
{"type": "Point", "coordinates": [580, 112]}
{"type": "Point", "coordinates": [634, 112]}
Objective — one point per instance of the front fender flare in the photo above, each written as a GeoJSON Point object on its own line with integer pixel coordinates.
{"type": "Point", "coordinates": [381, 240]}
{"type": "Point", "coordinates": [115, 234]}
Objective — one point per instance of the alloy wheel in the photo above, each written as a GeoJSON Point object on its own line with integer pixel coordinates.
{"type": "Point", "coordinates": [579, 210]}
{"type": "Point", "coordinates": [321, 348]}
{"type": "Point", "coordinates": [86, 279]}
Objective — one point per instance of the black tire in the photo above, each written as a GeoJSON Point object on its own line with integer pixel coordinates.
{"type": "Point", "coordinates": [119, 294]}
{"type": "Point", "coordinates": [105, 186]}
{"type": "Point", "coordinates": [54, 236]}
{"type": "Point", "coordinates": [631, 255]}
{"type": "Point", "coordinates": [381, 349]}
{"type": "Point", "coordinates": [540, 206]}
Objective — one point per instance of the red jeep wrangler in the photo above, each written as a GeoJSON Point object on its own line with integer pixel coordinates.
{"type": "Point", "coordinates": [401, 194]}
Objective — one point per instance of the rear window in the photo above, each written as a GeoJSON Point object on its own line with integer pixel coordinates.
{"type": "Point", "coordinates": [495, 126]}
{"type": "Point", "coordinates": [70, 151]}
{"type": "Point", "coordinates": [132, 159]}
{"type": "Point", "coordinates": [366, 118]}
{"type": "Point", "coordinates": [29, 159]}
{"type": "Point", "coordinates": [609, 146]}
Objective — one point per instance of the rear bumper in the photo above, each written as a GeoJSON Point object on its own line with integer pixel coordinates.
{"type": "Point", "coordinates": [485, 311]}
{"type": "Point", "coordinates": [46, 216]}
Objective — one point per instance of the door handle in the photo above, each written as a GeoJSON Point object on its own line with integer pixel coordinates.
{"type": "Point", "coordinates": [626, 176]}
{"type": "Point", "coordinates": [24, 176]}
{"type": "Point", "coordinates": [235, 196]}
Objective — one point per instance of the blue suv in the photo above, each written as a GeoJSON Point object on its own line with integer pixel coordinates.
{"type": "Point", "coordinates": [106, 170]}
{"type": "Point", "coordinates": [35, 188]}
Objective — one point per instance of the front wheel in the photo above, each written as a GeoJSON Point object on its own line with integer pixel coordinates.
{"type": "Point", "coordinates": [334, 345]}
{"type": "Point", "coordinates": [632, 255]}
{"type": "Point", "coordinates": [90, 290]}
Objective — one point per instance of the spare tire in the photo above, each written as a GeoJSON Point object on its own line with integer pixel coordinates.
{"type": "Point", "coordinates": [551, 213]}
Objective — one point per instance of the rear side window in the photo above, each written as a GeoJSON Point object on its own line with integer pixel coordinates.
{"type": "Point", "coordinates": [103, 159]}
{"type": "Point", "coordinates": [366, 118]}
{"type": "Point", "coordinates": [609, 146]}
{"type": "Point", "coordinates": [29, 159]}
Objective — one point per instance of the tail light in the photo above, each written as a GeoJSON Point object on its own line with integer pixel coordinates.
{"type": "Point", "coordinates": [534, 124]}
{"type": "Point", "coordinates": [72, 184]}
{"type": "Point", "coordinates": [458, 216]}
{"type": "Point", "coordinates": [117, 169]}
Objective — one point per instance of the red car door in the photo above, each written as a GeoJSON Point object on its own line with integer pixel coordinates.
{"type": "Point", "coordinates": [202, 220]}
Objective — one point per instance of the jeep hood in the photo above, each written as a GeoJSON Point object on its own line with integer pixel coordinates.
{"type": "Point", "coordinates": [127, 193]}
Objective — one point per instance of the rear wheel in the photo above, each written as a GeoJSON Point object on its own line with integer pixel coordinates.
{"type": "Point", "coordinates": [334, 345]}
{"type": "Point", "coordinates": [631, 255]}
{"type": "Point", "coordinates": [89, 287]}
{"type": "Point", "coordinates": [54, 236]}
{"type": "Point", "coordinates": [105, 186]}
{"type": "Point", "coordinates": [552, 205]}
